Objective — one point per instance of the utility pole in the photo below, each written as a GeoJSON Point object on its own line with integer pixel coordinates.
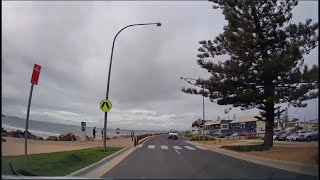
{"type": "Point", "coordinates": [204, 121]}
{"type": "Point", "coordinates": [203, 108]}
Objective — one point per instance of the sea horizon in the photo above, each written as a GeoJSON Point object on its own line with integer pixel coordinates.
{"type": "Point", "coordinates": [46, 129]}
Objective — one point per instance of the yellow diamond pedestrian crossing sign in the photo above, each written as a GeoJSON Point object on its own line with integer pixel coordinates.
{"type": "Point", "coordinates": [105, 105]}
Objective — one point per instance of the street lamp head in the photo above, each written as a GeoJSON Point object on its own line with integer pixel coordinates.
{"type": "Point", "coordinates": [158, 24]}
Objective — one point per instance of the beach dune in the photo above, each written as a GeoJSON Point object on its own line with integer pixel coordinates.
{"type": "Point", "coordinates": [15, 146]}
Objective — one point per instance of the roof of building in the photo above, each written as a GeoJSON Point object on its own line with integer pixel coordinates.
{"type": "Point", "coordinates": [225, 121]}
{"type": "Point", "coordinates": [246, 118]}
{"type": "Point", "coordinates": [210, 122]}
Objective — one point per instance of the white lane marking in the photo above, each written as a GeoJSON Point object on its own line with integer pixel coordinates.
{"type": "Point", "coordinates": [151, 146]}
{"type": "Point", "coordinates": [176, 147]}
{"type": "Point", "coordinates": [190, 148]}
{"type": "Point", "coordinates": [164, 147]}
{"type": "Point", "coordinates": [177, 151]}
{"type": "Point", "coordinates": [201, 148]}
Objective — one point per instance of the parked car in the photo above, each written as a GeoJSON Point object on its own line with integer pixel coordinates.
{"type": "Point", "coordinates": [282, 137]}
{"type": "Point", "coordinates": [228, 133]}
{"type": "Point", "coordinates": [309, 135]}
{"type": "Point", "coordinates": [294, 136]}
{"type": "Point", "coordinates": [277, 135]}
{"type": "Point", "coordinates": [235, 134]}
{"type": "Point", "coordinates": [215, 134]}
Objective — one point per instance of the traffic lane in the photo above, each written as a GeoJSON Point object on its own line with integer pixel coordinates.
{"type": "Point", "coordinates": [151, 163]}
{"type": "Point", "coordinates": [206, 160]}
{"type": "Point", "coordinates": [211, 164]}
{"type": "Point", "coordinates": [159, 163]}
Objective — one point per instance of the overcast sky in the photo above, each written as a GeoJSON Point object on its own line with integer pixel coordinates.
{"type": "Point", "coordinates": [72, 42]}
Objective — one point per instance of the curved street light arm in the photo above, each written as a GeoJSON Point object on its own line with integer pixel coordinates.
{"type": "Point", "coordinates": [114, 40]}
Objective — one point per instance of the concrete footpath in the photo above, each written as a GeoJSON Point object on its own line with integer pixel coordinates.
{"type": "Point", "coordinates": [284, 165]}
{"type": "Point", "coordinates": [100, 168]}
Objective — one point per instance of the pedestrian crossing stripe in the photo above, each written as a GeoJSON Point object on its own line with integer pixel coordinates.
{"type": "Point", "coordinates": [190, 148]}
{"type": "Point", "coordinates": [164, 147]}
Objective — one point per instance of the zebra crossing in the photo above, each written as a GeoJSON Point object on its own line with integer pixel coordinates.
{"type": "Point", "coordinates": [165, 147]}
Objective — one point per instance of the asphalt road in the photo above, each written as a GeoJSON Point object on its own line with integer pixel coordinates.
{"type": "Point", "coordinates": [187, 163]}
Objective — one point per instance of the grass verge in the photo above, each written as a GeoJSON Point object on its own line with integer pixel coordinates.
{"type": "Point", "coordinates": [57, 163]}
{"type": "Point", "coordinates": [241, 148]}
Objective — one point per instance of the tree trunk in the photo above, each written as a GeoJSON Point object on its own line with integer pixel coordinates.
{"type": "Point", "coordinates": [268, 136]}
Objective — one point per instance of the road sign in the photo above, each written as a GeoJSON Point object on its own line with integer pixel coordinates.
{"type": "Point", "coordinates": [35, 74]}
{"type": "Point", "coordinates": [105, 105]}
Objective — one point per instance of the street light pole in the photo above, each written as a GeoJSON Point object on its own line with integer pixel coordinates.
{"type": "Point", "coordinates": [203, 114]}
{"type": "Point", "coordinates": [109, 74]}
{"type": "Point", "coordinates": [203, 108]}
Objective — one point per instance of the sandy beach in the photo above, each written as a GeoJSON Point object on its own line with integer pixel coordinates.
{"type": "Point", "coordinates": [15, 146]}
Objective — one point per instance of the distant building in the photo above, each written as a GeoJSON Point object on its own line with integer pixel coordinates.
{"type": "Point", "coordinates": [217, 125]}
{"type": "Point", "coordinates": [239, 124]}
{"type": "Point", "coordinates": [247, 124]}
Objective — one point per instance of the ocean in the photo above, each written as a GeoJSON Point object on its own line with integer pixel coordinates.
{"type": "Point", "coordinates": [45, 129]}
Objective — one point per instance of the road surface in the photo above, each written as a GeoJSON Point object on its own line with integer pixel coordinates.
{"type": "Point", "coordinates": [162, 158]}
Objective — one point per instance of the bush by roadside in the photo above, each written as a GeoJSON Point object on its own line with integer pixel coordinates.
{"type": "Point", "coordinates": [242, 148]}
{"type": "Point", "coordinates": [195, 137]}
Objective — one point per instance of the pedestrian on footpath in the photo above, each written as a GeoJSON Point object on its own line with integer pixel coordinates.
{"type": "Point", "coordinates": [94, 133]}
{"type": "Point", "coordinates": [132, 135]}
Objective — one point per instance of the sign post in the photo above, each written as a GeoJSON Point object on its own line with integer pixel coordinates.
{"type": "Point", "coordinates": [34, 81]}
{"type": "Point", "coordinates": [83, 131]}
{"type": "Point", "coordinates": [105, 106]}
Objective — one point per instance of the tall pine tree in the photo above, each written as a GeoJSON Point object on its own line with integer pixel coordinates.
{"type": "Point", "coordinates": [265, 64]}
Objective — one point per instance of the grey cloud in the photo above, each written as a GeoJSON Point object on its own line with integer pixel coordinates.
{"type": "Point", "coordinates": [72, 42]}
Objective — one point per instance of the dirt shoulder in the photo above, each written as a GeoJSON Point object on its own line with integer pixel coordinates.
{"type": "Point", "coordinates": [298, 152]}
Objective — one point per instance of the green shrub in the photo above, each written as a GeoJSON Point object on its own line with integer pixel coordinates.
{"type": "Point", "coordinates": [241, 148]}
{"type": "Point", "coordinates": [252, 137]}
{"type": "Point", "coordinates": [195, 137]}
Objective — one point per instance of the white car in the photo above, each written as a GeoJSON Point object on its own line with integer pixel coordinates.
{"type": "Point", "coordinates": [309, 135]}
{"type": "Point", "coordinates": [173, 134]}
{"type": "Point", "coordinates": [294, 137]}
